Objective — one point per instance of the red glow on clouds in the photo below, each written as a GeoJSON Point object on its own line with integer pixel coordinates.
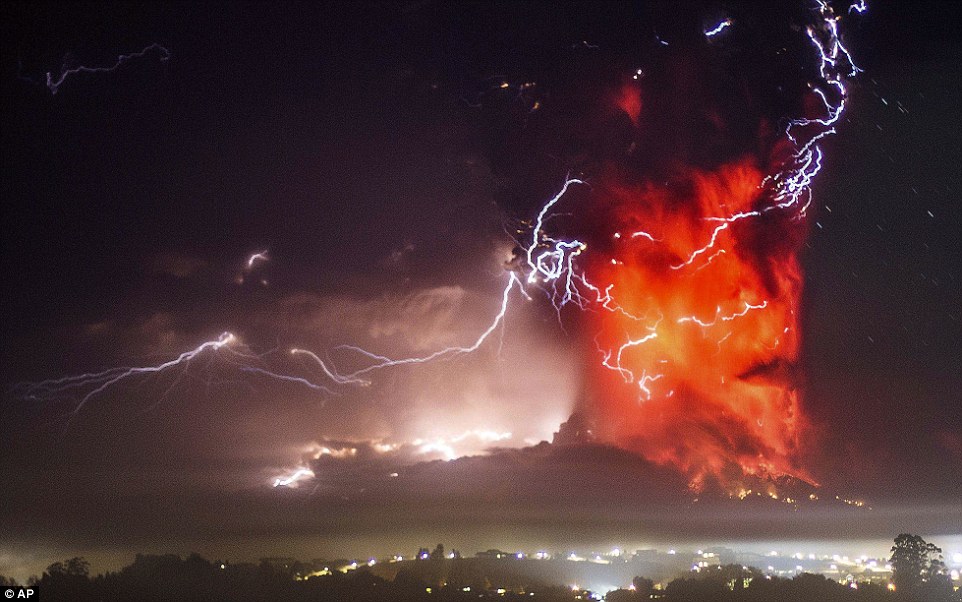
{"type": "Point", "coordinates": [628, 100]}
{"type": "Point", "coordinates": [712, 392]}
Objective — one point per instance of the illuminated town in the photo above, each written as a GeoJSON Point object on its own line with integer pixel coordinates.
{"type": "Point", "coordinates": [593, 575]}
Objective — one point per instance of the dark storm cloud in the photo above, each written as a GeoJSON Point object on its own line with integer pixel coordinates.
{"type": "Point", "coordinates": [178, 265]}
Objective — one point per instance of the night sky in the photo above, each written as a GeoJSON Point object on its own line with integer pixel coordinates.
{"type": "Point", "coordinates": [384, 155]}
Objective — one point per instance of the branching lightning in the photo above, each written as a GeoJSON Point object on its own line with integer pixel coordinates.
{"type": "Point", "coordinates": [791, 188]}
{"type": "Point", "coordinates": [556, 266]}
{"type": "Point", "coordinates": [85, 387]}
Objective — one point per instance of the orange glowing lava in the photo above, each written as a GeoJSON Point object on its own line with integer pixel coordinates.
{"type": "Point", "coordinates": [707, 339]}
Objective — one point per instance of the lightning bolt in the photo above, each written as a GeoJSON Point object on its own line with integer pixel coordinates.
{"type": "Point", "coordinates": [295, 477]}
{"type": "Point", "coordinates": [550, 261]}
{"type": "Point", "coordinates": [714, 31]}
{"type": "Point", "coordinates": [791, 188]}
{"type": "Point", "coordinates": [259, 256]}
{"type": "Point", "coordinates": [54, 83]}
{"type": "Point", "coordinates": [381, 361]}
{"type": "Point", "coordinates": [726, 318]}
{"type": "Point", "coordinates": [90, 385]}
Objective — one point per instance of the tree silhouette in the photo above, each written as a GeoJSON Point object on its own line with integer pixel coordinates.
{"type": "Point", "coordinates": [918, 570]}
{"type": "Point", "coordinates": [643, 586]}
{"type": "Point", "coordinates": [68, 579]}
{"type": "Point", "coordinates": [623, 595]}
{"type": "Point", "coordinates": [78, 567]}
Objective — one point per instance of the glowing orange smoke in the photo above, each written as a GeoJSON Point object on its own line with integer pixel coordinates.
{"type": "Point", "coordinates": [629, 101]}
{"type": "Point", "coordinates": [707, 347]}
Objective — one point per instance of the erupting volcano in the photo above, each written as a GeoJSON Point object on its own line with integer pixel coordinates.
{"type": "Point", "coordinates": [676, 237]}
{"type": "Point", "coordinates": [688, 266]}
